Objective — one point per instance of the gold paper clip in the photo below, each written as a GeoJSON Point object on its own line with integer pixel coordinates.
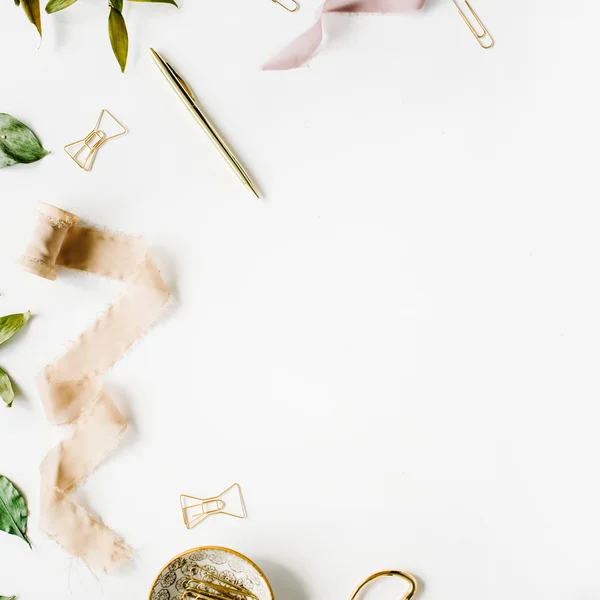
{"type": "Point", "coordinates": [200, 575]}
{"type": "Point", "coordinates": [484, 32]}
{"type": "Point", "coordinates": [211, 584]}
{"type": "Point", "coordinates": [412, 590]}
{"type": "Point", "coordinates": [83, 152]}
{"type": "Point", "coordinates": [289, 5]}
{"type": "Point", "coordinates": [201, 508]}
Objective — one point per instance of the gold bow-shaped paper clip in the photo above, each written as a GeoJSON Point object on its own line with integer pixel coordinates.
{"type": "Point", "coordinates": [195, 510]}
{"type": "Point", "coordinates": [84, 151]}
{"type": "Point", "coordinates": [412, 582]}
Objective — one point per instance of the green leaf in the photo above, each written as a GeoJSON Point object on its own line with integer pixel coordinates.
{"type": "Point", "coordinates": [7, 598]}
{"type": "Point", "coordinates": [119, 40]}
{"type": "Point", "coordinates": [32, 10]}
{"type": "Point", "coordinates": [17, 3]}
{"type": "Point", "coordinates": [6, 391]}
{"type": "Point", "coordinates": [10, 324]}
{"type": "Point", "coordinates": [117, 4]}
{"type": "Point", "coordinates": [13, 510]}
{"type": "Point", "coordinates": [18, 144]}
{"type": "Point", "coordinates": [161, 1]}
{"type": "Point", "coordinates": [56, 5]}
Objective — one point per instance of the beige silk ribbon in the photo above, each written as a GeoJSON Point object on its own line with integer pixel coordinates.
{"type": "Point", "coordinates": [71, 387]}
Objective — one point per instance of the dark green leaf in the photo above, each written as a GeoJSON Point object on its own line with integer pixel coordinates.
{"type": "Point", "coordinates": [6, 391]}
{"type": "Point", "coordinates": [10, 324]}
{"type": "Point", "coordinates": [13, 510]}
{"type": "Point", "coordinates": [117, 4]}
{"type": "Point", "coordinates": [18, 144]}
{"type": "Point", "coordinates": [56, 5]}
{"type": "Point", "coordinates": [161, 1]}
{"type": "Point", "coordinates": [32, 10]}
{"type": "Point", "coordinates": [117, 30]}
{"type": "Point", "coordinates": [17, 3]}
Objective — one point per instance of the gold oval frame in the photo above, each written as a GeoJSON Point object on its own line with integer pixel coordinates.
{"type": "Point", "coordinates": [207, 548]}
{"type": "Point", "coordinates": [392, 573]}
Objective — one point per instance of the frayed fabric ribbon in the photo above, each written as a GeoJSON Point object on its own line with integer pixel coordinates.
{"type": "Point", "coordinates": [303, 47]}
{"type": "Point", "coordinates": [71, 387]}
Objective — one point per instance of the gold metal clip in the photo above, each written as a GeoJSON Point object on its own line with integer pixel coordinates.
{"type": "Point", "coordinates": [208, 584]}
{"type": "Point", "coordinates": [201, 580]}
{"type": "Point", "coordinates": [202, 508]}
{"type": "Point", "coordinates": [401, 574]}
{"type": "Point", "coordinates": [83, 152]}
{"type": "Point", "coordinates": [480, 36]}
{"type": "Point", "coordinates": [289, 5]}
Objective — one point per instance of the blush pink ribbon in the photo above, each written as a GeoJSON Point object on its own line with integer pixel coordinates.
{"type": "Point", "coordinates": [303, 47]}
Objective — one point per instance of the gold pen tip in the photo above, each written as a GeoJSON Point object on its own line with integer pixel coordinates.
{"type": "Point", "coordinates": [251, 187]}
{"type": "Point", "coordinates": [155, 55]}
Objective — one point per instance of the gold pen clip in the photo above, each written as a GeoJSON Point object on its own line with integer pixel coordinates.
{"type": "Point", "coordinates": [195, 510]}
{"type": "Point", "coordinates": [485, 39]}
{"type": "Point", "coordinates": [83, 152]}
{"type": "Point", "coordinates": [289, 5]}
{"type": "Point", "coordinates": [182, 82]}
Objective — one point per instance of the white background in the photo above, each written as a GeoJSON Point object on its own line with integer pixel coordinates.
{"type": "Point", "coordinates": [395, 353]}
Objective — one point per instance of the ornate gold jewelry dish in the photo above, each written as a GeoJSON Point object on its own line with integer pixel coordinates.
{"type": "Point", "coordinates": [211, 573]}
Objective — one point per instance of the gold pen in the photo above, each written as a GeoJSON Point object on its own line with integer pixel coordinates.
{"type": "Point", "coordinates": [187, 97]}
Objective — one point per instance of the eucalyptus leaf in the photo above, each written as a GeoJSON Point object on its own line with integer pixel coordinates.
{"type": "Point", "coordinates": [18, 144]}
{"type": "Point", "coordinates": [6, 391]}
{"type": "Point", "coordinates": [13, 510]}
{"type": "Point", "coordinates": [32, 10]}
{"type": "Point", "coordinates": [56, 5]}
{"type": "Point", "coordinates": [119, 40]}
{"type": "Point", "coordinates": [10, 324]}
{"type": "Point", "coordinates": [160, 1]}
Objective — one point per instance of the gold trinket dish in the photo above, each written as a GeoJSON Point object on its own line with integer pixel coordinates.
{"type": "Point", "coordinates": [211, 573]}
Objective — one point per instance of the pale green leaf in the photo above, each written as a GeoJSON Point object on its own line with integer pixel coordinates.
{"type": "Point", "coordinates": [18, 144]}
{"type": "Point", "coordinates": [7, 598]}
{"type": "Point", "coordinates": [56, 5]}
{"type": "Point", "coordinates": [119, 40]}
{"type": "Point", "coordinates": [160, 1]}
{"type": "Point", "coordinates": [32, 10]}
{"type": "Point", "coordinates": [6, 390]}
{"type": "Point", "coordinates": [10, 324]}
{"type": "Point", "coordinates": [13, 510]}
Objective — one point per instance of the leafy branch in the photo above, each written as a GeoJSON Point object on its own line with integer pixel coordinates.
{"type": "Point", "coordinates": [117, 29]}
